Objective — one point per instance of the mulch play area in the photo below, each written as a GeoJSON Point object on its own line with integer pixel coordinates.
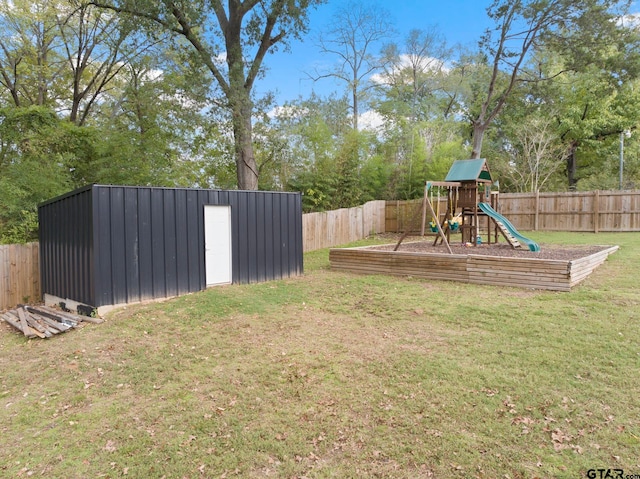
{"type": "Point", "coordinates": [547, 251]}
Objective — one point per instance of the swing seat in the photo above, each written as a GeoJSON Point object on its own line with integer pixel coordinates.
{"type": "Point", "coordinates": [454, 226]}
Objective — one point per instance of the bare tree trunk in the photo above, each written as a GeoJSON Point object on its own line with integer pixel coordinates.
{"type": "Point", "coordinates": [246, 167]}
{"type": "Point", "coordinates": [354, 93]}
{"type": "Point", "coordinates": [478, 136]}
{"type": "Point", "coordinates": [572, 166]}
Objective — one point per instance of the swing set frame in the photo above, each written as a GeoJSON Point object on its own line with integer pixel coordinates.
{"type": "Point", "coordinates": [443, 228]}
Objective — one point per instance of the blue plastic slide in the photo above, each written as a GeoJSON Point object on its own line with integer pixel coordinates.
{"type": "Point", "coordinates": [533, 246]}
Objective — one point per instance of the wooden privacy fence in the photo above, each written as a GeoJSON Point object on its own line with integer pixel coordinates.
{"type": "Point", "coordinates": [19, 274]}
{"type": "Point", "coordinates": [588, 211]}
{"type": "Point", "coordinates": [403, 215]}
{"type": "Point", "coordinates": [337, 227]}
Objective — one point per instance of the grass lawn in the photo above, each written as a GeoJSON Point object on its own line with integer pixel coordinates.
{"type": "Point", "coordinates": [338, 375]}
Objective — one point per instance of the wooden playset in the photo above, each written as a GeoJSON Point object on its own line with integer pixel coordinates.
{"type": "Point", "coordinates": [470, 201]}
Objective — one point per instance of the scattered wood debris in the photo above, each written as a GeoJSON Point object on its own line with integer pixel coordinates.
{"type": "Point", "coordinates": [42, 321]}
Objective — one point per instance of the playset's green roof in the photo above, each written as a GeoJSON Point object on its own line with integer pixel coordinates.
{"type": "Point", "coordinates": [470, 170]}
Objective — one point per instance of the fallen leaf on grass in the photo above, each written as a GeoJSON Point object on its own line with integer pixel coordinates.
{"type": "Point", "coordinates": [509, 405]}
{"type": "Point", "coordinates": [522, 420]}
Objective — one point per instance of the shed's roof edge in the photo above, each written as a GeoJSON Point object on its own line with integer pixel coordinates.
{"type": "Point", "coordinates": [77, 191]}
{"type": "Point", "coordinates": [92, 186]}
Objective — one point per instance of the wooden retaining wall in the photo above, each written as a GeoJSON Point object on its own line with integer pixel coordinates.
{"type": "Point", "coordinates": [534, 273]}
{"type": "Point", "coordinates": [583, 267]}
{"type": "Point", "coordinates": [370, 261]}
{"type": "Point", "coordinates": [19, 274]}
{"type": "Point", "coordinates": [520, 272]}
{"type": "Point", "coordinates": [586, 211]}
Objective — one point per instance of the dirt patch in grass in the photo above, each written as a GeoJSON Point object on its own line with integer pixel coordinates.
{"type": "Point", "coordinates": [547, 251]}
{"type": "Point", "coordinates": [324, 335]}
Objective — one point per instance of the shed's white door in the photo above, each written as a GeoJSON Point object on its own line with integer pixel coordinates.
{"type": "Point", "coordinates": [217, 244]}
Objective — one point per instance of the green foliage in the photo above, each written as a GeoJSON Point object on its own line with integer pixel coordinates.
{"type": "Point", "coordinates": [376, 175]}
{"type": "Point", "coordinates": [347, 174]}
{"type": "Point", "coordinates": [21, 228]}
{"type": "Point", "coordinates": [318, 190]}
{"type": "Point", "coordinates": [444, 154]}
{"type": "Point", "coordinates": [34, 165]}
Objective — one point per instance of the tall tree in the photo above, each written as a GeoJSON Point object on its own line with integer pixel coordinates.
{"type": "Point", "coordinates": [536, 153]}
{"type": "Point", "coordinates": [413, 73]}
{"type": "Point", "coordinates": [155, 118]}
{"type": "Point", "coordinates": [415, 103]}
{"type": "Point", "coordinates": [523, 25]}
{"type": "Point", "coordinates": [356, 29]}
{"type": "Point", "coordinates": [62, 55]}
{"type": "Point", "coordinates": [231, 41]}
{"type": "Point", "coordinates": [313, 130]}
{"type": "Point", "coordinates": [29, 64]}
{"type": "Point", "coordinates": [96, 47]}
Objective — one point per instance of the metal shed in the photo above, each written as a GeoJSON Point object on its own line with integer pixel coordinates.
{"type": "Point", "coordinates": [108, 245]}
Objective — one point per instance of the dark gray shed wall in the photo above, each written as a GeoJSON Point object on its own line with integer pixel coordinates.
{"type": "Point", "coordinates": [149, 242]}
{"type": "Point", "coordinates": [66, 246]}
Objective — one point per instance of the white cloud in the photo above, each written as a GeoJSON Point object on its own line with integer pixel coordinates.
{"type": "Point", "coordinates": [423, 64]}
{"type": "Point", "coordinates": [152, 75]}
{"type": "Point", "coordinates": [287, 111]}
{"type": "Point", "coordinates": [370, 120]}
{"type": "Point", "coordinates": [630, 21]}
{"type": "Point", "coordinates": [221, 59]}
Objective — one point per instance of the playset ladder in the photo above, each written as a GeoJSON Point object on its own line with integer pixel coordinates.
{"type": "Point", "coordinates": [505, 232]}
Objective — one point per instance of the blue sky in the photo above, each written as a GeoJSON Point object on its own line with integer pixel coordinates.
{"type": "Point", "coordinates": [459, 21]}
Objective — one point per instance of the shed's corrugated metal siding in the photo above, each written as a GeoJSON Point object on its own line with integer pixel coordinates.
{"type": "Point", "coordinates": [66, 246]}
{"type": "Point", "coordinates": [149, 242]}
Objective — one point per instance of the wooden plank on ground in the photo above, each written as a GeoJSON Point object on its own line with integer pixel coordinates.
{"type": "Point", "coordinates": [12, 321]}
{"type": "Point", "coordinates": [53, 314]}
{"type": "Point", "coordinates": [37, 327]}
{"type": "Point", "coordinates": [60, 327]}
{"type": "Point", "coordinates": [28, 332]}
